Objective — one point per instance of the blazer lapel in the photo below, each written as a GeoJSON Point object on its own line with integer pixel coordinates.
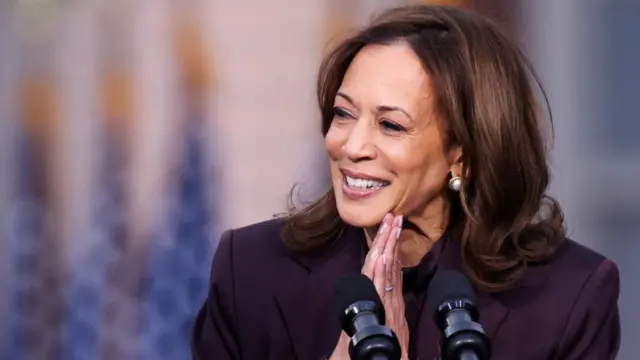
{"type": "Point", "coordinates": [305, 304]}
{"type": "Point", "coordinates": [492, 313]}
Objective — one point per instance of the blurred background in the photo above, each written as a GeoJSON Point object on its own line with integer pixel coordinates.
{"type": "Point", "coordinates": [134, 131]}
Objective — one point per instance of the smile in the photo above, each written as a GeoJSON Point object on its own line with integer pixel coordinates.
{"type": "Point", "coordinates": [359, 187]}
{"type": "Point", "coordinates": [364, 183]}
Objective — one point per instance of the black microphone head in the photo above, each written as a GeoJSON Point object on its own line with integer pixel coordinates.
{"type": "Point", "coordinates": [452, 302]}
{"type": "Point", "coordinates": [351, 289]}
{"type": "Point", "coordinates": [448, 285]}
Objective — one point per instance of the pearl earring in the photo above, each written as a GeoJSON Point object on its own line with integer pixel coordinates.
{"type": "Point", "coordinates": [455, 183]}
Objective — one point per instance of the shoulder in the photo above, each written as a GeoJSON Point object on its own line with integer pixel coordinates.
{"type": "Point", "coordinates": [569, 271]}
{"type": "Point", "coordinates": [265, 233]}
{"type": "Point", "coordinates": [256, 255]}
{"type": "Point", "coordinates": [575, 261]}
{"type": "Point", "coordinates": [569, 299]}
{"type": "Point", "coordinates": [255, 244]}
{"type": "Point", "coordinates": [597, 277]}
{"type": "Point", "coordinates": [573, 274]}
{"type": "Point", "coordinates": [572, 283]}
{"type": "Point", "coordinates": [263, 244]}
{"type": "Point", "coordinates": [591, 323]}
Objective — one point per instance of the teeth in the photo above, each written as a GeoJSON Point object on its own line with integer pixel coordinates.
{"type": "Point", "coordinates": [364, 183]}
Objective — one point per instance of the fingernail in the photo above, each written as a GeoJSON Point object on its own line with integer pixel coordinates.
{"type": "Point", "coordinates": [384, 259]}
{"type": "Point", "coordinates": [400, 221]}
{"type": "Point", "coordinates": [374, 254]}
{"type": "Point", "coordinates": [398, 231]}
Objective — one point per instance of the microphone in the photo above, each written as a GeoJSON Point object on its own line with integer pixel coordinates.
{"type": "Point", "coordinates": [362, 317]}
{"type": "Point", "coordinates": [452, 303]}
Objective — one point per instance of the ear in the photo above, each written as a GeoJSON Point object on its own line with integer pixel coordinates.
{"type": "Point", "coordinates": [455, 160]}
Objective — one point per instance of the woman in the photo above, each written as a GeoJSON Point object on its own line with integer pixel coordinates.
{"type": "Point", "coordinates": [437, 161]}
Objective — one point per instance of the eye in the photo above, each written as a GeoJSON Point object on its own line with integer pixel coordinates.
{"type": "Point", "coordinates": [391, 126]}
{"type": "Point", "coordinates": [341, 113]}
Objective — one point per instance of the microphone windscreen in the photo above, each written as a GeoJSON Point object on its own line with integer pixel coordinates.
{"type": "Point", "coordinates": [448, 285]}
{"type": "Point", "coordinates": [353, 288]}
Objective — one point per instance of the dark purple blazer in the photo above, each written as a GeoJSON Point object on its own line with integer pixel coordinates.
{"type": "Point", "coordinates": [266, 302]}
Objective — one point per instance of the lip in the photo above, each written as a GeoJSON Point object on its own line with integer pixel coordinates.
{"type": "Point", "coordinates": [359, 194]}
{"type": "Point", "coordinates": [358, 175]}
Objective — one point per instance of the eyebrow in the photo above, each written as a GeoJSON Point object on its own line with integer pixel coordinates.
{"type": "Point", "coordinates": [381, 108]}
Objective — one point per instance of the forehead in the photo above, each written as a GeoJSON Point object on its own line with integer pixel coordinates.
{"type": "Point", "coordinates": [387, 74]}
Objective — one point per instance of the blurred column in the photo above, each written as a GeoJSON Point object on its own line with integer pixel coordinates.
{"type": "Point", "coordinates": [9, 71]}
{"type": "Point", "coordinates": [75, 167]}
{"type": "Point", "coordinates": [267, 55]}
{"type": "Point", "coordinates": [154, 125]}
{"type": "Point", "coordinates": [182, 247]}
{"type": "Point", "coordinates": [37, 293]}
{"type": "Point", "coordinates": [76, 133]}
{"type": "Point", "coordinates": [203, 55]}
{"type": "Point", "coordinates": [151, 150]}
{"type": "Point", "coordinates": [555, 32]}
{"type": "Point", "coordinates": [94, 239]}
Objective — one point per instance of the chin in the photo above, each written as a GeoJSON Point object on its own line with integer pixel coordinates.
{"type": "Point", "coordinates": [360, 220]}
{"type": "Point", "coordinates": [361, 215]}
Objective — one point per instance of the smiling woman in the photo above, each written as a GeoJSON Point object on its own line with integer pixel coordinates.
{"type": "Point", "coordinates": [417, 100]}
{"type": "Point", "coordinates": [438, 161]}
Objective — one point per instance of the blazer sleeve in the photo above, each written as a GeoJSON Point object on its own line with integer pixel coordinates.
{"type": "Point", "coordinates": [215, 333]}
{"type": "Point", "coordinates": [593, 329]}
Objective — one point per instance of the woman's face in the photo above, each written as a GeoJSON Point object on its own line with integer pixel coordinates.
{"type": "Point", "coordinates": [386, 143]}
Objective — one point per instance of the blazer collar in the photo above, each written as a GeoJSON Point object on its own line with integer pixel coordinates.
{"type": "Point", "coordinates": [305, 303]}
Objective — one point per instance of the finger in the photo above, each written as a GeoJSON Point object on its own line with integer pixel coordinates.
{"type": "Point", "coordinates": [377, 246]}
{"type": "Point", "coordinates": [382, 270]}
{"type": "Point", "coordinates": [397, 275]}
{"type": "Point", "coordinates": [398, 268]}
{"type": "Point", "coordinates": [379, 280]}
{"type": "Point", "coordinates": [390, 255]}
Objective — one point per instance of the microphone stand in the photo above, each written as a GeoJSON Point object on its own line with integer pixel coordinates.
{"type": "Point", "coordinates": [374, 343]}
{"type": "Point", "coordinates": [468, 355]}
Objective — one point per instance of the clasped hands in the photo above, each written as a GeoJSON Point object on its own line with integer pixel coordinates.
{"type": "Point", "coordinates": [382, 265]}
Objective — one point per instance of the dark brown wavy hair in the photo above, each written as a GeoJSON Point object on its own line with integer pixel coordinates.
{"type": "Point", "coordinates": [486, 93]}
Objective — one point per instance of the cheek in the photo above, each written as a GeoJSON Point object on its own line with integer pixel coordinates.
{"type": "Point", "coordinates": [419, 167]}
{"type": "Point", "coordinates": [333, 142]}
{"type": "Point", "coordinates": [406, 160]}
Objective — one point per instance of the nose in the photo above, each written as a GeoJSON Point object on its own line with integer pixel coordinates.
{"type": "Point", "coordinates": [359, 145]}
